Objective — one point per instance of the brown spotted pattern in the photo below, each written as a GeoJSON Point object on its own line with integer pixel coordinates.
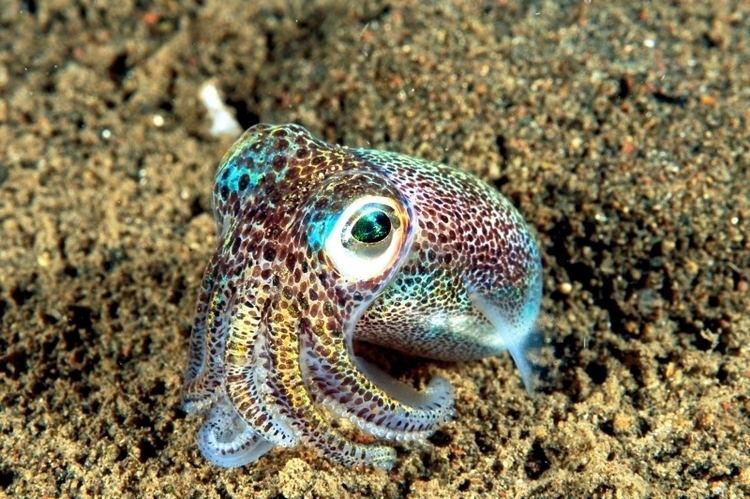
{"type": "Point", "coordinates": [288, 290]}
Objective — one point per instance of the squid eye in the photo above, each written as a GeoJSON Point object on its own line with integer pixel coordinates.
{"type": "Point", "coordinates": [372, 227]}
{"type": "Point", "coordinates": [367, 237]}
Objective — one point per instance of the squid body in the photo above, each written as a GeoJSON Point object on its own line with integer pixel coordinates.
{"type": "Point", "coordinates": [320, 245]}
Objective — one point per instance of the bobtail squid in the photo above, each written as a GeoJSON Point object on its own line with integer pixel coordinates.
{"type": "Point", "coordinates": [320, 245]}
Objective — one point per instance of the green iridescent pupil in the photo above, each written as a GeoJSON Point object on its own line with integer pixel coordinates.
{"type": "Point", "coordinates": [372, 227]}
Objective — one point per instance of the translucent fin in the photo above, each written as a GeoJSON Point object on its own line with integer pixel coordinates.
{"type": "Point", "coordinates": [227, 441]}
{"type": "Point", "coordinates": [517, 333]}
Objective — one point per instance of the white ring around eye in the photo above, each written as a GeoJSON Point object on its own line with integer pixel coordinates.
{"type": "Point", "coordinates": [356, 267]}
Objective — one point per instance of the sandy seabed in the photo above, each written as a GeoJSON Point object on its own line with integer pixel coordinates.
{"type": "Point", "coordinates": [620, 129]}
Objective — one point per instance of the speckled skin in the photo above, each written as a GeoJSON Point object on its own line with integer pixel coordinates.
{"type": "Point", "coordinates": [271, 357]}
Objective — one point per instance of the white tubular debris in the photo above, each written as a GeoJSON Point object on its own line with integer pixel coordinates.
{"type": "Point", "coordinates": [222, 117]}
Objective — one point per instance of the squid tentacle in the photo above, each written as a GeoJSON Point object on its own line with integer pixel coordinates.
{"type": "Point", "coordinates": [389, 409]}
{"type": "Point", "coordinates": [197, 348]}
{"type": "Point", "coordinates": [295, 402]}
{"type": "Point", "coordinates": [203, 378]}
{"type": "Point", "coordinates": [227, 440]}
{"type": "Point", "coordinates": [244, 360]}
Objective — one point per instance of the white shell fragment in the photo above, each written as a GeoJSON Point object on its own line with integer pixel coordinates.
{"type": "Point", "coordinates": [223, 121]}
